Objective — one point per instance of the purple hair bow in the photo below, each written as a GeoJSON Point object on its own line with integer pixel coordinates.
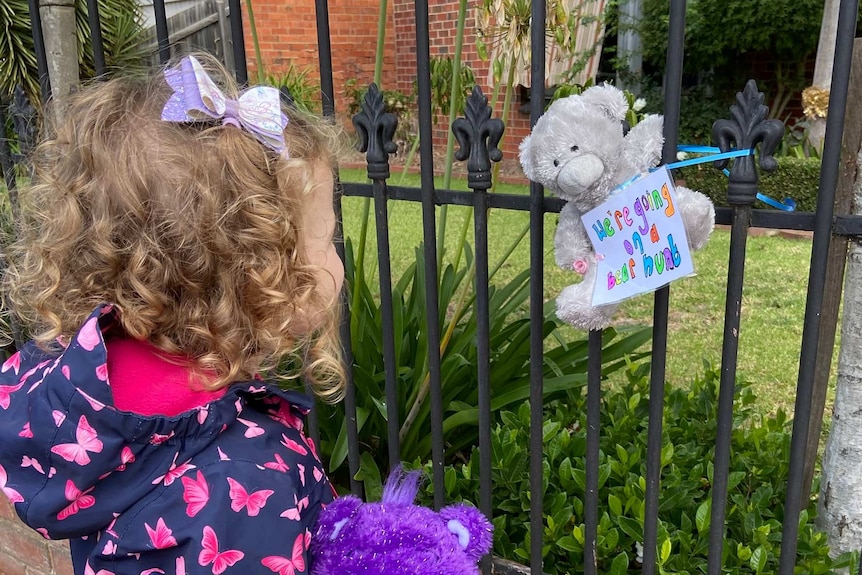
{"type": "Point", "coordinates": [196, 97]}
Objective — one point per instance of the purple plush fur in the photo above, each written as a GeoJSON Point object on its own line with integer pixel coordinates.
{"type": "Point", "coordinates": [397, 537]}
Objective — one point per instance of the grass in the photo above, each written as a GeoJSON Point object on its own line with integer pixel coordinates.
{"type": "Point", "coordinates": [776, 278]}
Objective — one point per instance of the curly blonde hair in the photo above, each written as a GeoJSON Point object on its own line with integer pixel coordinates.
{"type": "Point", "coordinates": [192, 231]}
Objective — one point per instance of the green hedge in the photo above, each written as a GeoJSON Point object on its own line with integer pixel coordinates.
{"type": "Point", "coordinates": [796, 178]}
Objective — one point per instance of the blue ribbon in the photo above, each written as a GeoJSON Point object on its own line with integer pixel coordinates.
{"type": "Point", "coordinates": [715, 154]}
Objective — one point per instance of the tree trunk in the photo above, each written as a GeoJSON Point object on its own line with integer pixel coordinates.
{"type": "Point", "coordinates": [823, 66]}
{"type": "Point", "coordinates": [840, 504]}
{"type": "Point", "coordinates": [61, 50]}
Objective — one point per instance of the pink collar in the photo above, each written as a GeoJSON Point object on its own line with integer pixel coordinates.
{"type": "Point", "coordinates": [148, 382]}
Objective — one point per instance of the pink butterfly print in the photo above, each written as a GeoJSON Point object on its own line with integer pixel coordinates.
{"type": "Point", "coordinates": [89, 336]}
{"type": "Point", "coordinates": [6, 392]}
{"type": "Point", "coordinates": [25, 432]}
{"type": "Point", "coordinates": [158, 438]}
{"type": "Point", "coordinates": [222, 456]}
{"type": "Point", "coordinates": [238, 405]}
{"type": "Point", "coordinates": [89, 570]}
{"type": "Point", "coordinates": [318, 473]}
{"type": "Point", "coordinates": [43, 532]}
{"type": "Point", "coordinates": [181, 565]}
{"type": "Point", "coordinates": [174, 472]}
{"type": "Point", "coordinates": [254, 430]}
{"type": "Point", "coordinates": [126, 457]}
{"type": "Point", "coordinates": [59, 417]}
{"type": "Point", "coordinates": [220, 560]}
{"type": "Point", "coordinates": [295, 512]}
{"type": "Point", "coordinates": [203, 412]}
{"type": "Point", "coordinates": [65, 370]}
{"type": "Point", "coordinates": [33, 370]}
{"type": "Point", "coordinates": [295, 564]}
{"type": "Point", "coordinates": [13, 363]}
{"type": "Point", "coordinates": [310, 442]}
{"type": "Point", "coordinates": [31, 462]}
{"type": "Point", "coordinates": [253, 502]}
{"type": "Point", "coordinates": [293, 445]}
{"type": "Point", "coordinates": [151, 571]}
{"type": "Point", "coordinates": [10, 493]}
{"type": "Point", "coordinates": [102, 372]}
{"type": "Point", "coordinates": [110, 528]}
{"type": "Point", "coordinates": [79, 500]}
{"type": "Point", "coordinates": [278, 464]}
{"type": "Point", "coordinates": [96, 405]}
{"type": "Point", "coordinates": [257, 388]}
{"type": "Point", "coordinates": [87, 440]}
{"type": "Point", "coordinates": [301, 469]}
{"type": "Point", "coordinates": [110, 548]}
{"type": "Point", "coordinates": [286, 416]}
{"type": "Point", "coordinates": [161, 537]}
{"type": "Point", "coordinates": [196, 493]}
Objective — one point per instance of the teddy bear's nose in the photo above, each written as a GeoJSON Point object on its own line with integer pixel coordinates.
{"type": "Point", "coordinates": [580, 173]}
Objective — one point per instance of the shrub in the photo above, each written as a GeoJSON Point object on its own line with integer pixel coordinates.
{"type": "Point", "coordinates": [303, 89]}
{"type": "Point", "coordinates": [564, 365]}
{"type": "Point", "coordinates": [796, 178]}
{"type": "Point", "coordinates": [121, 37]}
{"type": "Point", "coordinates": [758, 471]}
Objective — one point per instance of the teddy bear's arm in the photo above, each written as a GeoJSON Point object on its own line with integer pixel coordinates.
{"type": "Point", "coordinates": [643, 144]}
{"type": "Point", "coordinates": [571, 243]}
{"type": "Point", "coordinates": [698, 216]}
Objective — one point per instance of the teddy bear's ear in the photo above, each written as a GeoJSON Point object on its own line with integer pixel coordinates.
{"type": "Point", "coordinates": [335, 516]}
{"type": "Point", "coordinates": [610, 100]}
{"type": "Point", "coordinates": [527, 163]}
{"type": "Point", "coordinates": [475, 533]}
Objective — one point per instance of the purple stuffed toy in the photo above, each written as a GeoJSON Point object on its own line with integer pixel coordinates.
{"type": "Point", "coordinates": [395, 536]}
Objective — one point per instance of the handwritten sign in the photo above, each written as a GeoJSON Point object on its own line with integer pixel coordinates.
{"type": "Point", "coordinates": [639, 240]}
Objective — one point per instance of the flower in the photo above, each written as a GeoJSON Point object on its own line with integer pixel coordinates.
{"type": "Point", "coordinates": [580, 266]}
{"type": "Point", "coordinates": [639, 105]}
{"type": "Point", "coordinates": [815, 102]}
{"type": "Point", "coordinates": [681, 156]}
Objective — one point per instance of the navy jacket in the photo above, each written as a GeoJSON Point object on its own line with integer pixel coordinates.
{"type": "Point", "coordinates": [230, 487]}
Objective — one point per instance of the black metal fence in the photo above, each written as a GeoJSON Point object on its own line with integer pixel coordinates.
{"type": "Point", "coordinates": [478, 135]}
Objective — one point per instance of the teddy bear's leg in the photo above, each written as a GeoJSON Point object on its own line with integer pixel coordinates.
{"type": "Point", "coordinates": [698, 216]}
{"type": "Point", "coordinates": [574, 307]}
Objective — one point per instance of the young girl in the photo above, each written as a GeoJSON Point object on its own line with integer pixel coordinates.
{"type": "Point", "coordinates": [179, 249]}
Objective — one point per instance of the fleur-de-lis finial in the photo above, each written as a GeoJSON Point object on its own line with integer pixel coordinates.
{"type": "Point", "coordinates": [376, 127]}
{"type": "Point", "coordinates": [748, 128]}
{"type": "Point", "coordinates": [478, 135]}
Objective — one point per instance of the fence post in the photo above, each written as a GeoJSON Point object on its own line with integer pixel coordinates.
{"type": "Point", "coordinates": [836, 260]}
{"type": "Point", "coordinates": [61, 49]}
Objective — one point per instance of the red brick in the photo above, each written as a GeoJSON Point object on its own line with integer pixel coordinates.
{"type": "Point", "coordinates": [21, 542]}
{"type": "Point", "coordinates": [6, 510]}
{"type": "Point", "coordinates": [61, 560]}
{"type": "Point", "coordinates": [10, 565]}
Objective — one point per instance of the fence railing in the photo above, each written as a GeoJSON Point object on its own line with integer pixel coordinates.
{"type": "Point", "coordinates": [478, 135]}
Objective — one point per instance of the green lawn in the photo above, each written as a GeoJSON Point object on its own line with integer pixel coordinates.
{"type": "Point", "coordinates": [773, 299]}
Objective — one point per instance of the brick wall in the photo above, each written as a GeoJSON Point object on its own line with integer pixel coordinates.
{"type": "Point", "coordinates": [287, 31]}
{"type": "Point", "coordinates": [288, 34]}
{"type": "Point", "coordinates": [443, 28]}
{"type": "Point", "coordinates": [25, 552]}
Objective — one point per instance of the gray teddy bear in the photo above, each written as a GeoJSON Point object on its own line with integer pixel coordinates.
{"type": "Point", "coordinates": [581, 150]}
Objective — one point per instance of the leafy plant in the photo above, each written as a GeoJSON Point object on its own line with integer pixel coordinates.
{"type": "Point", "coordinates": [564, 362]}
{"type": "Point", "coordinates": [300, 84]}
{"type": "Point", "coordinates": [441, 85]}
{"type": "Point", "coordinates": [758, 472]}
{"type": "Point", "coordinates": [796, 178]}
{"type": "Point", "coordinates": [785, 30]}
{"type": "Point", "coordinates": [121, 36]}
